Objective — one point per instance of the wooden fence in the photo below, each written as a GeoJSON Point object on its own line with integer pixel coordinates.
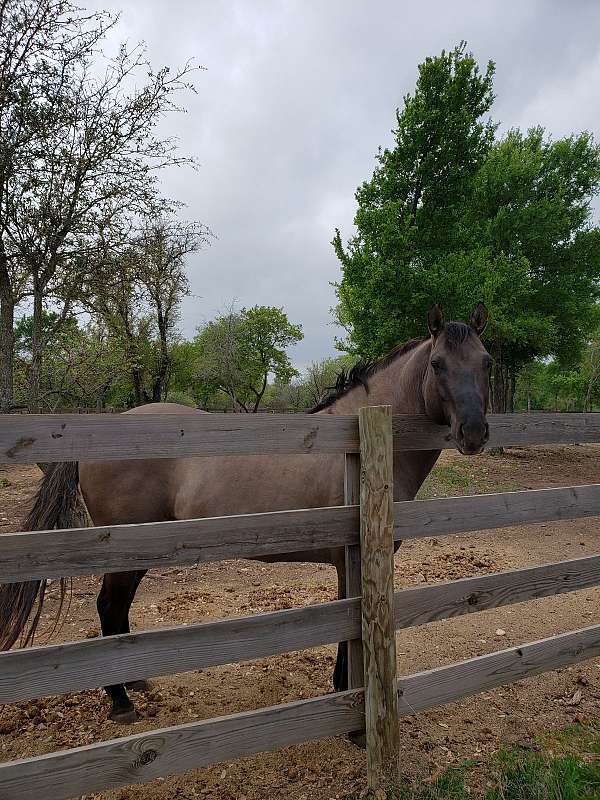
{"type": "Point", "coordinates": [367, 527]}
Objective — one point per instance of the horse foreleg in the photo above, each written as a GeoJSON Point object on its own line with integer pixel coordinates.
{"type": "Point", "coordinates": [340, 673]}
{"type": "Point", "coordinates": [114, 602]}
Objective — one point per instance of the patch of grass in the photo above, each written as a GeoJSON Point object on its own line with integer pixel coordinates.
{"type": "Point", "coordinates": [4, 484]}
{"type": "Point", "coordinates": [519, 775]}
{"type": "Point", "coordinates": [575, 739]}
{"type": "Point", "coordinates": [449, 786]}
{"type": "Point", "coordinates": [449, 480]}
{"type": "Point", "coordinates": [541, 778]}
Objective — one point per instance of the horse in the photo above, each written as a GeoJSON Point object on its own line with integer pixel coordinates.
{"type": "Point", "coordinates": [444, 376]}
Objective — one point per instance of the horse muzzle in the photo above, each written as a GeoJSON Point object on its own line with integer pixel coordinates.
{"type": "Point", "coordinates": [472, 436]}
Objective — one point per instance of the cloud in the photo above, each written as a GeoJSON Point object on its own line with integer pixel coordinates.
{"type": "Point", "coordinates": [296, 98]}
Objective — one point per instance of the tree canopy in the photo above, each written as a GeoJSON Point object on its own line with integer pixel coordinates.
{"type": "Point", "coordinates": [239, 350]}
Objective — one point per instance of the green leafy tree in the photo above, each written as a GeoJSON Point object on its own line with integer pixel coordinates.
{"type": "Point", "coordinates": [531, 212]}
{"type": "Point", "coordinates": [238, 351]}
{"type": "Point", "coordinates": [82, 369]}
{"type": "Point", "coordinates": [409, 213]}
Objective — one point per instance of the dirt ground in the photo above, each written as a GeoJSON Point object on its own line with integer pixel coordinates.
{"type": "Point", "coordinates": [474, 728]}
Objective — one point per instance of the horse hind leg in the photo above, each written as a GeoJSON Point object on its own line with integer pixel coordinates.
{"type": "Point", "coordinates": [114, 602]}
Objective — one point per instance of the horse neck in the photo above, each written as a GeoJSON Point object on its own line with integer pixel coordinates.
{"type": "Point", "coordinates": [399, 384]}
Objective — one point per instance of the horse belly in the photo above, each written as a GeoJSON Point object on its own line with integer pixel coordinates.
{"type": "Point", "coordinates": [213, 487]}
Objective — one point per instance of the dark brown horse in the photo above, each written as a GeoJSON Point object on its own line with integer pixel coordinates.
{"type": "Point", "coordinates": [444, 376]}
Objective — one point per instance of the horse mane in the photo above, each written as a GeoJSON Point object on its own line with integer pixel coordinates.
{"type": "Point", "coordinates": [359, 374]}
{"type": "Point", "coordinates": [455, 334]}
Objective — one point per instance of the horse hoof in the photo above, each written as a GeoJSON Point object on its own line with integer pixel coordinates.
{"type": "Point", "coordinates": [358, 739]}
{"type": "Point", "coordinates": [139, 686]}
{"type": "Point", "coordinates": [124, 717]}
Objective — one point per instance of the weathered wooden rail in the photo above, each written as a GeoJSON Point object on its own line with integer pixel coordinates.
{"type": "Point", "coordinates": [366, 527]}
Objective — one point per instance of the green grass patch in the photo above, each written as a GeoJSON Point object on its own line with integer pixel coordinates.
{"type": "Point", "coordinates": [542, 778]}
{"type": "Point", "coordinates": [4, 484]}
{"type": "Point", "coordinates": [582, 740]}
{"type": "Point", "coordinates": [450, 480]}
{"type": "Point", "coordinates": [520, 774]}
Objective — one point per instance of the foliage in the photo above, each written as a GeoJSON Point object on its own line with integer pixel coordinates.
{"type": "Point", "coordinates": [548, 386]}
{"type": "Point", "coordinates": [516, 230]}
{"type": "Point", "coordinates": [180, 397]}
{"type": "Point", "coordinates": [137, 290]}
{"type": "Point", "coordinates": [239, 350]}
{"type": "Point", "coordinates": [408, 214]}
{"type": "Point", "coordinates": [83, 367]}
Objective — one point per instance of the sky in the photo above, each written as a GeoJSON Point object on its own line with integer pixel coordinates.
{"type": "Point", "coordinates": [294, 100]}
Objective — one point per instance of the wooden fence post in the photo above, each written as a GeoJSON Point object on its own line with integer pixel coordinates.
{"type": "Point", "coordinates": [377, 568]}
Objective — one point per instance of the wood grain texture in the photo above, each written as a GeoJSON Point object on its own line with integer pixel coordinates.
{"type": "Point", "coordinates": [54, 669]}
{"type": "Point", "coordinates": [377, 565]}
{"type": "Point", "coordinates": [416, 519]}
{"type": "Point", "coordinates": [436, 687]}
{"type": "Point", "coordinates": [34, 672]}
{"type": "Point", "coordinates": [144, 756]}
{"type": "Point", "coordinates": [30, 438]}
{"type": "Point", "coordinates": [89, 551]}
{"type": "Point", "coordinates": [425, 604]}
{"type": "Point", "coordinates": [353, 571]}
{"type": "Point", "coordinates": [114, 548]}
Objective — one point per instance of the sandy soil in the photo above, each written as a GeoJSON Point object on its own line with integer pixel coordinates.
{"type": "Point", "coordinates": [470, 729]}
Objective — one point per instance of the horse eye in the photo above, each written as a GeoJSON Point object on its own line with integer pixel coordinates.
{"type": "Point", "coordinates": [437, 364]}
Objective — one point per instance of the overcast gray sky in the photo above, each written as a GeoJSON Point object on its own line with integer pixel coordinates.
{"type": "Point", "coordinates": [297, 96]}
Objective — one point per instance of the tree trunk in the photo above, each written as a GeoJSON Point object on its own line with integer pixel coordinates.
{"type": "Point", "coordinates": [512, 390]}
{"type": "Point", "coordinates": [138, 387]}
{"type": "Point", "coordinates": [499, 388]}
{"type": "Point", "coordinates": [259, 395]}
{"type": "Point", "coordinates": [7, 349]}
{"type": "Point", "coordinates": [35, 377]}
{"type": "Point", "coordinates": [159, 384]}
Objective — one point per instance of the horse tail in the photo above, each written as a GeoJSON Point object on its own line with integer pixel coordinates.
{"type": "Point", "coordinates": [54, 506]}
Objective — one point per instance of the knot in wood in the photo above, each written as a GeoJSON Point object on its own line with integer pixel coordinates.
{"type": "Point", "coordinates": [147, 757]}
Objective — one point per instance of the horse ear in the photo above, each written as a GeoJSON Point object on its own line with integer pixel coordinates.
{"type": "Point", "coordinates": [479, 319]}
{"type": "Point", "coordinates": [435, 320]}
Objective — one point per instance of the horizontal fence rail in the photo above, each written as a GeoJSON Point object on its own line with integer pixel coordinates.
{"type": "Point", "coordinates": [424, 604]}
{"type": "Point", "coordinates": [106, 437]}
{"type": "Point", "coordinates": [54, 669]}
{"type": "Point", "coordinates": [144, 756]}
{"type": "Point", "coordinates": [114, 548]}
{"type": "Point", "coordinates": [418, 519]}
{"type": "Point", "coordinates": [441, 685]}
{"type": "Point", "coordinates": [34, 672]}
